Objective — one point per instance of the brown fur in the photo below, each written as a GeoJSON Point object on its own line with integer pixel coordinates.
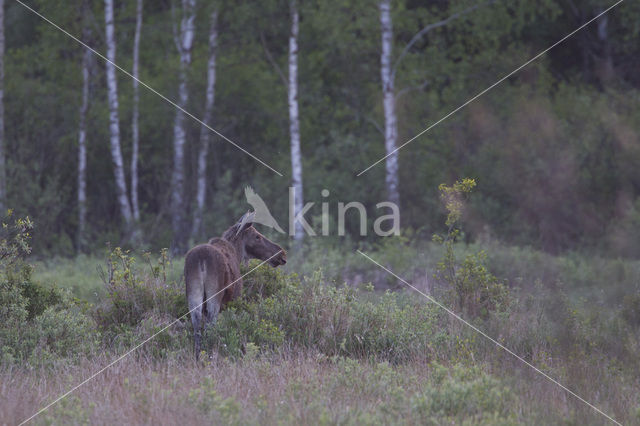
{"type": "Point", "coordinates": [212, 271]}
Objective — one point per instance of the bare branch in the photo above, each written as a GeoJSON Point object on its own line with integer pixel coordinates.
{"type": "Point", "coordinates": [374, 123]}
{"type": "Point", "coordinates": [271, 59]}
{"type": "Point", "coordinates": [433, 26]}
{"type": "Point", "coordinates": [406, 90]}
{"type": "Point", "coordinates": [176, 38]}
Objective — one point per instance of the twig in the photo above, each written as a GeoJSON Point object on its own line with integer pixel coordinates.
{"type": "Point", "coordinates": [272, 60]}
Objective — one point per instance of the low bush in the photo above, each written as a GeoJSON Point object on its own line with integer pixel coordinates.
{"type": "Point", "coordinates": [464, 393]}
{"type": "Point", "coordinates": [471, 289]}
{"type": "Point", "coordinates": [65, 333]}
{"type": "Point", "coordinates": [631, 309]}
{"type": "Point", "coordinates": [37, 324]}
{"type": "Point", "coordinates": [133, 292]}
{"type": "Point", "coordinates": [333, 320]}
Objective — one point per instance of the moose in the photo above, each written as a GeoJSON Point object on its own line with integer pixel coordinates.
{"type": "Point", "coordinates": [212, 270]}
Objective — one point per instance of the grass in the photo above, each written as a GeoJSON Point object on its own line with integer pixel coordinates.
{"type": "Point", "coordinates": [287, 387]}
{"type": "Point", "coordinates": [83, 275]}
{"type": "Point", "coordinates": [315, 352]}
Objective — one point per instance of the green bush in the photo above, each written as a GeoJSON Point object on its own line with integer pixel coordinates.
{"type": "Point", "coordinates": [460, 392]}
{"type": "Point", "coordinates": [66, 333]}
{"type": "Point", "coordinates": [37, 324]}
{"type": "Point", "coordinates": [631, 309]}
{"type": "Point", "coordinates": [264, 281]}
{"type": "Point", "coordinates": [473, 290]}
{"type": "Point", "coordinates": [132, 292]}
{"type": "Point", "coordinates": [335, 321]}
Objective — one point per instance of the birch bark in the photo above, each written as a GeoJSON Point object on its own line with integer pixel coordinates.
{"type": "Point", "coordinates": [205, 134]}
{"type": "Point", "coordinates": [114, 126]}
{"type": "Point", "coordinates": [184, 43]}
{"type": "Point", "coordinates": [82, 139]}
{"type": "Point", "coordinates": [3, 173]}
{"type": "Point", "coordinates": [294, 121]}
{"type": "Point", "coordinates": [389, 103]}
{"type": "Point", "coordinates": [606, 63]}
{"type": "Point", "coordinates": [135, 138]}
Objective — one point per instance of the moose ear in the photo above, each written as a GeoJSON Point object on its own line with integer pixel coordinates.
{"type": "Point", "coordinates": [245, 221]}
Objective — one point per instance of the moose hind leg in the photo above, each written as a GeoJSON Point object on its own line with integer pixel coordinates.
{"type": "Point", "coordinates": [212, 309]}
{"type": "Point", "coordinates": [196, 321]}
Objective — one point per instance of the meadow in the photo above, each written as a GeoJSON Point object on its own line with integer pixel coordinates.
{"type": "Point", "coordinates": [330, 339]}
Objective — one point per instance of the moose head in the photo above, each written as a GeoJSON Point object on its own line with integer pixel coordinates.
{"type": "Point", "coordinates": [251, 244]}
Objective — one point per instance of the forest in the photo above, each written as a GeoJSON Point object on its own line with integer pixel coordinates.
{"type": "Point", "coordinates": [504, 134]}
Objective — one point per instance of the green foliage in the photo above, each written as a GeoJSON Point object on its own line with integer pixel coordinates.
{"type": "Point", "coordinates": [132, 292]}
{"type": "Point", "coordinates": [65, 332]}
{"type": "Point", "coordinates": [474, 290]}
{"type": "Point", "coordinates": [453, 198]}
{"type": "Point", "coordinates": [461, 392]}
{"type": "Point", "coordinates": [554, 140]}
{"type": "Point", "coordinates": [264, 281]}
{"type": "Point", "coordinates": [631, 309]}
{"type": "Point", "coordinates": [335, 321]}
{"type": "Point", "coordinates": [208, 401]}
{"type": "Point", "coordinates": [37, 324]}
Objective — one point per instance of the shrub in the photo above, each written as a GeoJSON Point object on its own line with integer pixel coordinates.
{"type": "Point", "coordinates": [631, 309]}
{"type": "Point", "coordinates": [66, 333]}
{"type": "Point", "coordinates": [132, 293]}
{"type": "Point", "coordinates": [461, 392]}
{"type": "Point", "coordinates": [37, 324]}
{"type": "Point", "coordinates": [264, 281]}
{"type": "Point", "coordinates": [473, 289]}
{"type": "Point", "coordinates": [335, 321]}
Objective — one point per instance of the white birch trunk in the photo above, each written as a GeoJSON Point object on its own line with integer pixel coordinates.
{"type": "Point", "coordinates": [82, 141]}
{"type": "Point", "coordinates": [389, 103]}
{"type": "Point", "coordinates": [205, 134]}
{"type": "Point", "coordinates": [606, 63]}
{"type": "Point", "coordinates": [3, 173]}
{"type": "Point", "coordinates": [184, 45]}
{"type": "Point", "coordinates": [134, 120]}
{"type": "Point", "coordinates": [114, 126]}
{"type": "Point", "coordinates": [294, 121]}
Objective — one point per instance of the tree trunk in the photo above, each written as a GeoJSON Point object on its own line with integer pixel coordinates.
{"type": "Point", "coordinates": [205, 134]}
{"type": "Point", "coordinates": [184, 44]}
{"type": "Point", "coordinates": [3, 173]}
{"type": "Point", "coordinates": [605, 67]}
{"type": "Point", "coordinates": [114, 126]}
{"type": "Point", "coordinates": [294, 121]}
{"type": "Point", "coordinates": [389, 103]}
{"type": "Point", "coordinates": [134, 120]}
{"type": "Point", "coordinates": [82, 138]}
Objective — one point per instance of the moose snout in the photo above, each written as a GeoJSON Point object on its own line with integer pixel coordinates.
{"type": "Point", "coordinates": [280, 259]}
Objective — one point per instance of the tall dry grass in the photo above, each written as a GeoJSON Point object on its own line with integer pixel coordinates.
{"type": "Point", "coordinates": [301, 387]}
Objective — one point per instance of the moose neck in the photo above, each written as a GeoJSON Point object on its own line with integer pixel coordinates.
{"type": "Point", "coordinates": [237, 243]}
{"type": "Point", "coordinates": [241, 253]}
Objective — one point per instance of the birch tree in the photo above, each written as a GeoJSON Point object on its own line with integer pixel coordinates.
{"type": "Point", "coordinates": [606, 63]}
{"type": "Point", "coordinates": [184, 44]}
{"type": "Point", "coordinates": [3, 173]}
{"type": "Point", "coordinates": [134, 120]}
{"type": "Point", "coordinates": [389, 103]}
{"type": "Point", "coordinates": [294, 121]}
{"type": "Point", "coordinates": [82, 136]}
{"type": "Point", "coordinates": [114, 125]}
{"type": "Point", "coordinates": [205, 134]}
{"type": "Point", "coordinates": [388, 71]}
